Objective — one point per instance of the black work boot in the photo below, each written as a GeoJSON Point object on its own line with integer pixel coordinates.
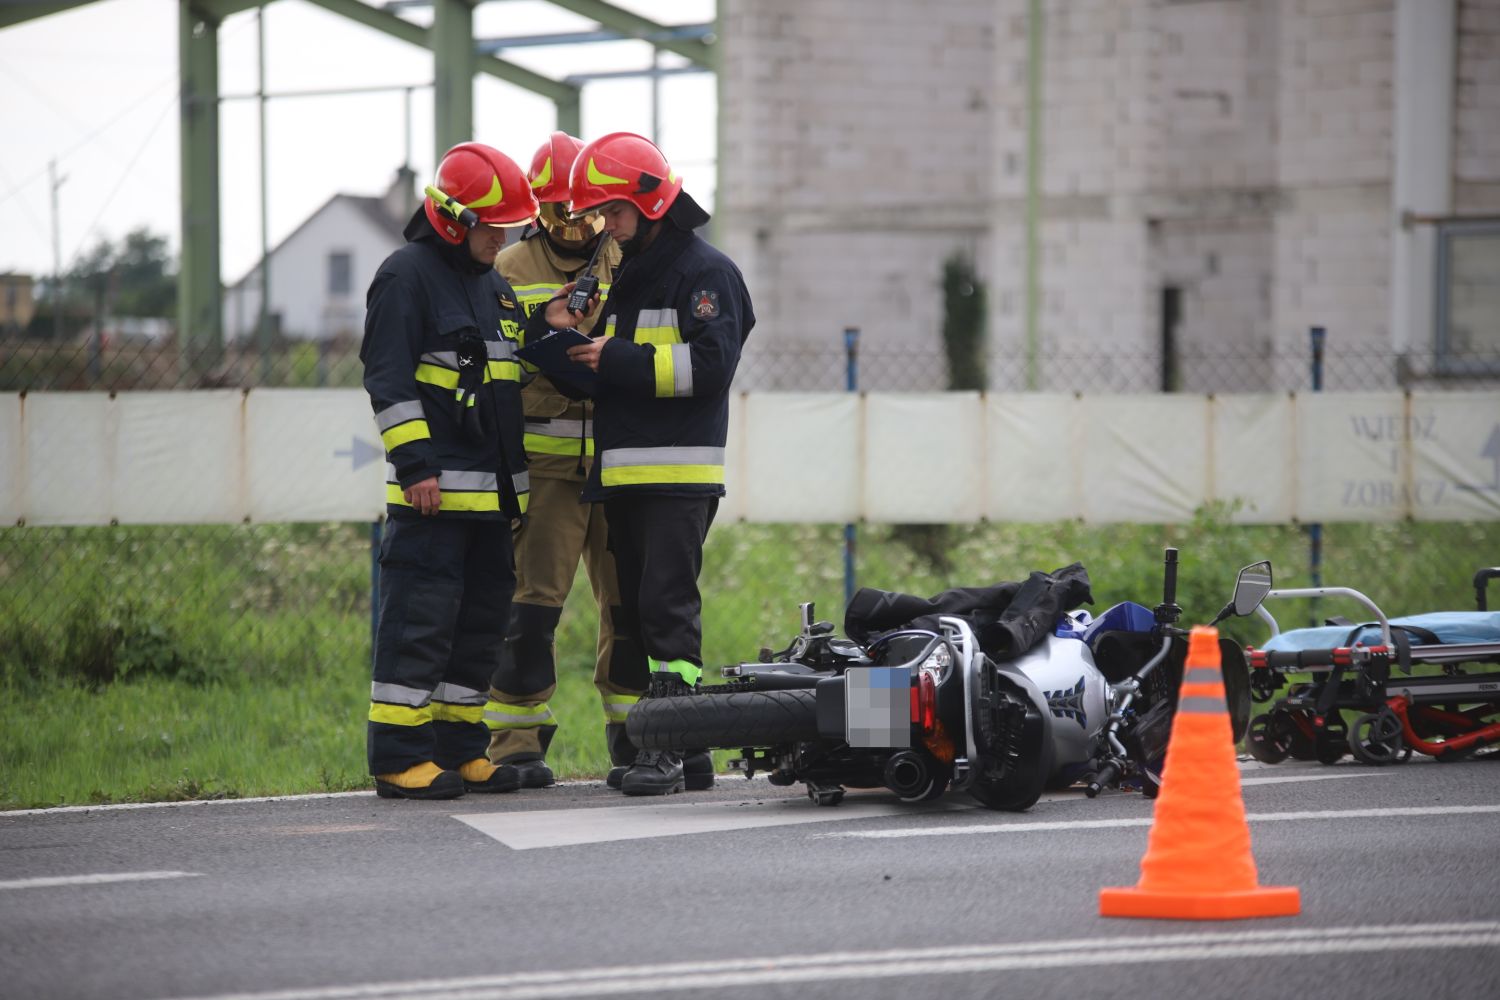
{"type": "Point", "coordinates": [698, 770]}
{"type": "Point", "coordinates": [655, 772]}
{"type": "Point", "coordinates": [534, 773]}
{"type": "Point", "coordinates": [621, 753]}
{"type": "Point", "coordinates": [667, 684]}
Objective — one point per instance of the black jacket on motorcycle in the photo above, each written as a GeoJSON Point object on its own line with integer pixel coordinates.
{"type": "Point", "coordinates": [441, 332]}
{"type": "Point", "coordinates": [1007, 618]}
{"type": "Point", "coordinates": [677, 315]}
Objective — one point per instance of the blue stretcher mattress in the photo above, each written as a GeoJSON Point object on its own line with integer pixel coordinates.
{"type": "Point", "coordinates": [1449, 626]}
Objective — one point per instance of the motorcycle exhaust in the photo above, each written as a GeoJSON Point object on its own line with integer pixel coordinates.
{"type": "Point", "coordinates": [907, 775]}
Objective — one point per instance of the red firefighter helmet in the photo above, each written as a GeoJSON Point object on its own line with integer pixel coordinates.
{"type": "Point", "coordinates": [623, 166]}
{"type": "Point", "coordinates": [550, 167]}
{"type": "Point", "coordinates": [477, 185]}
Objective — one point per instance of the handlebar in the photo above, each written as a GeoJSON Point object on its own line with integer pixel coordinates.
{"type": "Point", "coordinates": [1342, 656]}
{"type": "Point", "coordinates": [1105, 776]}
{"type": "Point", "coordinates": [1169, 590]}
{"type": "Point", "coordinates": [1481, 580]}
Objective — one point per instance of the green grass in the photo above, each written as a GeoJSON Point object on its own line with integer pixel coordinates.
{"type": "Point", "coordinates": [144, 664]}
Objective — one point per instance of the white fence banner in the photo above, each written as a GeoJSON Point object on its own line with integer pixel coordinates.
{"type": "Point", "coordinates": [923, 455]}
{"type": "Point", "coordinates": [313, 455]}
{"type": "Point", "coordinates": [800, 457]}
{"type": "Point", "coordinates": [276, 455]}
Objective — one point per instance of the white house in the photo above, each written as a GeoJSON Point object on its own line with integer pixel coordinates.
{"type": "Point", "coordinates": [320, 272]}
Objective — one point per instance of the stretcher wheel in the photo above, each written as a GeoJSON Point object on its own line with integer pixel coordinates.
{"type": "Point", "coordinates": [1331, 742]}
{"type": "Point", "coordinates": [1263, 685]}
{"type": "Point", "coordinates": [1376, 738]}
{"type": "Point", "coordinates": [1269, 738]}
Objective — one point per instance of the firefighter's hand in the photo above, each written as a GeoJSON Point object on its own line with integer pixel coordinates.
{"type": "Point", "coordinates": [425, 497]}
{"type": "Point", "coordinates": [588, 354]}
{"type": "Point", "coordinates": [560, 317]}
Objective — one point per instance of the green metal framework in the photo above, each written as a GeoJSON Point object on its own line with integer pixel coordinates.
{"type": "Point", "coordinates": [200, 312]}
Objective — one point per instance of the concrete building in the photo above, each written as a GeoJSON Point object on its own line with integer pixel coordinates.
{"type": "Point", "coordinates": [1215, 177]}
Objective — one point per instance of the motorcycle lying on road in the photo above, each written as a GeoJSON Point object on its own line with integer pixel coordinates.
{"type": "Point", "coordinates": [1000, 701]}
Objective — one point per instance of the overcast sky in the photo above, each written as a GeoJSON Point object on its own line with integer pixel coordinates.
{"type": "Point", "coordinates": [95, 88]}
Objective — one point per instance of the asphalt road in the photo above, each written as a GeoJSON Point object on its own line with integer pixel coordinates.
{"type": "Point", "coordinates": [746, 891]}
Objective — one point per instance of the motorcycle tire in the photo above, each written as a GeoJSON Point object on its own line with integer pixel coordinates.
{"type": "Point", "coordinates": [731, 720]}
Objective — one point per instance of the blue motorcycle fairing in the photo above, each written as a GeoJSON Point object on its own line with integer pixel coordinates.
{"type": "Point", "coordinates": [1126, 616]}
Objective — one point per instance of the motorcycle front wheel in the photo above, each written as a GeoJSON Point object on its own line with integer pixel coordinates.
{"type": "Point", "coordinates": [728, 720]}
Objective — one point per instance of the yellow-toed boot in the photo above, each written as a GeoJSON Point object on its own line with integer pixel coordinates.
{"type": "Point", "coordinates": [420, 781]}
{"type": "Point", "coordinates": [479, 775]}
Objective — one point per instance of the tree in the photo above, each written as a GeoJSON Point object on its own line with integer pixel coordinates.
{"type": "Point", "coordinates": [137, 276]}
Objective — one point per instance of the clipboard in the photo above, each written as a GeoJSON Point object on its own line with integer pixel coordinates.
{"type": "Point", "coordinates": [550, 355]}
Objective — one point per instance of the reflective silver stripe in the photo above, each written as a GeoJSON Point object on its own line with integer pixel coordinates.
{"type": "Point", "coordinates": [451, 479]}
{"type": "Point", "coordinates": [453, 694]}
{"type": "Point", "coordinates": [566, 429]}
{"type": "Point", "coordinates": [448, 359]}
{"type": "Point", "coordinates": [1202, 705]}
{"type": "Point", "coordinates": [682, 370]}
{"type": "Point", "coordinates": [500, 350]}
{"type": "Point", "coordinates": [400, 413]}
{"type": "Point", "coordinates": [617, 706]}
{"type": "Point", "coordinates": [521, 482]}
{"type": "Point", "coordinates": [396, 694]}
{"type": "Point", "coordinates": [617, 457]}
{"type": "Point", "coordinates": [1203, 675]}
{"type": "Point", "coordinates": [514, 720]}
{"type": "Point", "coordinates": [649, 318]}
{"type": "Point", "coordinates": [472, 482]}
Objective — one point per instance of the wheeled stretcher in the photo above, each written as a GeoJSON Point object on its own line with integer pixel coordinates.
{"type": "Point", "coordinates": [1428, 683]}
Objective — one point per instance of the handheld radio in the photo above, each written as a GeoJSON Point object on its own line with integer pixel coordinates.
{"type": "Point", "coordinates": [452, 207]}
{"type": "Point", "coordinates": [588, 282]}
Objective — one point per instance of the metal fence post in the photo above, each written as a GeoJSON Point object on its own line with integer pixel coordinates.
{"type": "Point", "coordinates": [375, 530]}
{"type": "Point", "coordinates": [851, 383]}
{"type": "Point", "coordinates": [1315, 530]}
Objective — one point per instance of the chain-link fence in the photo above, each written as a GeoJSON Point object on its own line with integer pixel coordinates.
{"type": "Point", "coordinates": [267, 600]}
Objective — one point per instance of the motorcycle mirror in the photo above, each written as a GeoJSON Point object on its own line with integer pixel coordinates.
{"type": "Point", "coordinates": [1251, 587]}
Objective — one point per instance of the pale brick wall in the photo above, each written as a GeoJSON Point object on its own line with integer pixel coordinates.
{"type": "Point", "coordinates": [1238, 149]}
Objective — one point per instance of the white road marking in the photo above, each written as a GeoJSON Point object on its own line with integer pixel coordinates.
{"type": "Point", "coordinates": [57, 880]}
{"type": "Point", "coordinates": [523, 831]}
{"type": "Point", "coordinates": [1104, 824]}
{"type": "Point", "coordinates": [1282, 779]}
{"type": "Point", "coordinates": [851, 966]}
{"type": "Point", "coordinates": [121, 806]}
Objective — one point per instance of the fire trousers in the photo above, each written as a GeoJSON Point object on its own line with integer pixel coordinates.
{"type": "Point", "coordinates": [657, 542]}
{"type": "Point", "coordinates": [559, 531]}
{"type": "Point", "coordinates": [445, 589]}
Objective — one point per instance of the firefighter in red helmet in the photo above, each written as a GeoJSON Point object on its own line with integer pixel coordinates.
{"type": "Point", "coordinates": [672, 328]}
{"type": "Point", "coordinates": [558, 531]}
{"type": "Point", "coordinates": [441, 330]}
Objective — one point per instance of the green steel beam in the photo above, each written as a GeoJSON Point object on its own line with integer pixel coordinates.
{"type": "Point", "coordinates": [452, 43]}
{"type": "Point", "coordinates": [1033, 188]}
{"type": "Point", "coordinates": [200, 313]}
{"type": "Point", "coordinates": [636, 26]}
{"type": "Point", "coordinates": [19, 13]}
{"type": "Point", "coordinates": [354, 10]}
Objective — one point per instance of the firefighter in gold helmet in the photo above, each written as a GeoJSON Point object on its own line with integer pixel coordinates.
{"type": "Point", "coordinates": [559, 530]}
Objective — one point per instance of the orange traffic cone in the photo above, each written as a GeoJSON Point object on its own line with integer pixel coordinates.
{"type": "Point", "coordinates": [1198, 864]}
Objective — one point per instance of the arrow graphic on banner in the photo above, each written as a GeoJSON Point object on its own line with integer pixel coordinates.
{"type": "Point", "coordinates": [1491, 451]}
{"type": "Point", "coordinates": [360, 453]}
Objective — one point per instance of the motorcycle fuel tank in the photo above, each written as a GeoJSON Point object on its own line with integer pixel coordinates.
{"type": "Point", "coordinates": [1064, 670]}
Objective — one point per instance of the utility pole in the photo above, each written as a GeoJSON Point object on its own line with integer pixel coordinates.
{"type": "Point", "coordinates": [57, 280]}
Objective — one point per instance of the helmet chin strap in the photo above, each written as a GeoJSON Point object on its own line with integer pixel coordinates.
{"type": "Point", "coordinates": [641, 240]}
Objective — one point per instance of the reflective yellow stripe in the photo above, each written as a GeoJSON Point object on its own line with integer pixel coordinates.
{"type": "Point", "coordinates": [502, 371]}
{"type": "Point", "coordinates": [658, 335]}
{"type": "Point", "coordinates": [545, 175]}
{"type": "Point", "coordinates": [542, 444]}
{"type": "Point", "coordinates": [453, 499]}
{"type": "Point", "coordinates": [635, 475]}
{"type": "Point", "coordinates": [617, 706]}
{"type": "Point", "coordinates": [596, 176]}
{"type": "Point", "coordinates": [400, 715]}
{"type": "Point", "coordinates": [437, 375]}
{"type": "Point", "coordinates": [444, 712]}
{"type": "Point", "coordinates": [412, 430]}
{"type": "Point", "coordinates": [494, 197]}
{"type": "Point", "coordinates": [666, 381]}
